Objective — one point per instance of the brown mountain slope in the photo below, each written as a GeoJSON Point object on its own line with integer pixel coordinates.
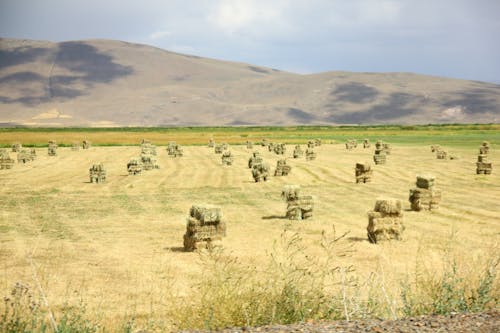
{"type": "Point", "coordinates": [112, 83]}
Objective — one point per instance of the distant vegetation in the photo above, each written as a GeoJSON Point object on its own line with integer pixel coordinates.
{"type": "Point", "coordinates": [446, 134]}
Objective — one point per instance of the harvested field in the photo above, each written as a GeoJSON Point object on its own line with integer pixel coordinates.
{"type": "Point", "coordinates": [119, 246]}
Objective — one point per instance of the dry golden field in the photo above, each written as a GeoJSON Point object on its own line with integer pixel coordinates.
{"type": "Point", "coordinates": [117, 246]}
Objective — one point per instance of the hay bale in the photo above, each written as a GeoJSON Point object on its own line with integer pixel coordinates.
{"type": "Point", "coordinates": [211, 143]}
{"type": "Point", "coordinates": [147, 147]}
{"type": "Point", "coordinates": [290, 192]}
{"type": "Point", "coordinates": [279, 148]}
{"type": "Point", "coordinates": [310, 154]}
{"type": "Point", "coordinates": [16, 147]}
{"type": "Point", "coordinates": [482, 166]}
{"type": "Point", "coordinates": [260, 172]}
{"type": "Point", "coordinates": [4, 153]}
{"type": "Point", "coordinates": [379, 157]}
{"type": "Point", "coordinates": [86, 144]}
{"type": "Point", "coordinates": [227, 158]}
{"type": "Point", "coordinates": [388, 206]}
{"type": "Point", "coordinates": [366, 143]}
{"type": "Point", "coordinates": [219, 148]}
{"type": "Point", "coordinates": [384, 228]}
{"type": "Point", "coordinates": [134, 167]}
{"type": "Point", "coordinates": [264, 142]}
{"type": "Point", "coordinates": [97, 173]}
{"type": "Point", "coordinates": [249, 145]}
{"type": "Point", "coordinates": [484, 148]}
{"type": "Point", "coordinates": [298, 152]}
{"type": "Point", "coordinates": [441, 154]}
{"type": "Point", "coordinates": [311, 144]}
{"type": "Point", "coordinates": [424, 199]}
{"type": "Point", "coordinates": [204, 228]}
{"type": "Point", "coordinates": [387, 148]}
{"type": "Point", "coordinates": [351, 144]}
{"type": "Point", "coordinates": [282, 169]}
{"type": "Point", "coordinates": [425, 181]}
{"type": "Point", "coordinates": [317, 142]}
{"type": "Point", "coordinates": [254, 159]}
{"type": "Point", "coordinates": [363, 172]}
{"type": "Point", "coordinates": [52, 148]}
{"type": "Point", "coordinates": [435, 148]}
{"type": "Point", "coordinates": [6, 163]}
{"type": "Point", "coordinates": [25, 155]}
{"type": "Point", "coordinates": [149, 161]}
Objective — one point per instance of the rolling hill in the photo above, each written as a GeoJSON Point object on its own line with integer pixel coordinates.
{"type": "Point", "coordinates": [113, 83]}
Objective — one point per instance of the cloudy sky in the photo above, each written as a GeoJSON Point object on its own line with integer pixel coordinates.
{"type": "Point", "coordinates": [453, 38]}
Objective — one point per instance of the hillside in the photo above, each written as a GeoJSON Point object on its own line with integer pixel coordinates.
{"type": "Point", "coordinates": [113, 83]}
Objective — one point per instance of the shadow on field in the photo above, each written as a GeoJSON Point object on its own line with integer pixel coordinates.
{"type": "Point", "coordinates": [175, 248]}
{"type": "Point", "coordinates": [272, 217]}
{"type": "Point", "coordinates": [357, 239]}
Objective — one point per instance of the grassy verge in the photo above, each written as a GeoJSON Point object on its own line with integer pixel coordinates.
{"type": "Point", "coordinates": [290, 287]}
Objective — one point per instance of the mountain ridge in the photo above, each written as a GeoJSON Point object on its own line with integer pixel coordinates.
{"type": "Point", "coordinates": [103, 82]}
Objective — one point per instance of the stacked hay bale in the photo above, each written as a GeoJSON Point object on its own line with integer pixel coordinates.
{"type": "Point", "coordinates": [264, 142]}
{"type": "Point", "coordinates": [227, 158]}
{"type": "Point", "coordinates": [385, 222]}
{"type": "Point", "coordinates": [282, 169]}
{"type": "Point", "coordinates": [97, 173]}
{"type": "Point", "coordinates": [424, 196]}
{"type": "Point", "coordinates": [441, 154]}
{"type": "Point", "coordinates": [363, 172]}
{"type": "Point", "coordinates": [175, 150]}
{"type": "Point", "coordinates": [298, 206]}
{"type": "Point", "coordinates": [249, 145]}
{"type": "Point", "coordinates": [219, 148]}
{"type": "Point", "coordinates": [317, 142]}
{"type": "Point", "coordinates": [280, 148]}
{"type": "Point", "coordinates": [86, 144]}
{"type": "Point", "coordinates": [387, 148]}
{"type": "Point", "coordinates": [310, 154]}
{"type": "Point", "coordinates": [134, 167]}
{"type": "Point", "coordinates": [25, 155]}
{"type": "Point", "coordinates": [270, 146]}
{"type": "Point", "coordinates": [16, 147]}
{"type": "Point", "coordinates": [484, 148]}
{"type": "Point", "coordinates": [52, 149]}
{"type": "Point", "coordinates": [148, 148]}
{"type": "Point", "coordinates": [211, 143]}
{"type": "Point", "coordinates": [298, 152]}
{"type": "Point", "coordinates": [379, 156]}
{"type": "Point", "coordinates": [254, 159]}
{"type": "Point", "coordinates": [5, 161]}
{"type": "Point", "coordinates": [435, 148]}
{"type": "Point", "coordinates": [75, 146]}
{"type": "Point", "coordinates": [366, 143]}
{"type": "Point", "coordinates": [149, 161]}
{"type": "Point", "coordinates": [205, 228]}
{"type": "Point", "coordinates": [482, 165]}
{"type": "Point", "coordinates": [260, 172]}
{"type": "Point", "coordinates": [311, 144]}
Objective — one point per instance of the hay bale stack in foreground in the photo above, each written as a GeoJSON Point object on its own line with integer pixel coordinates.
{"type": "Point", "coordinates": [211, 143]}
{"type": "Point", "coordinates": [16, 147]}
{"type": "Point", "coordinates": [75, 146]}
{"type": "Point", "coordinates": [134, 167]}
{"type": "Point", "coordinates": [366, 143]}
{"type": "Point", "coordinates": [363, 172]}
{"type": "Point", "coordinates": [282, 169]}
{"type": "Point", "coordinates": [424, 196]}
{"type": "Point", "coordinates": [482, 165]}
{"type": "Point", "coordinates": [310, 154]}
{"type": "Point", "coordinates": [52, 149]}
{"type": "Point", "coordinates": [254, 159]}
{"type": "Point", "coordinates": [86, 144]}
{"type": "Point", "coordinates": [227, 158]}
{"type": "Point", "coordinates": [279, 148]}
{"type": "Point", "coordinates": [260, 172]}
{"type": "Point", "coordinates": [484, 148]}
{"type": "Point", "coordinates": [205, 228]}
{"type": "Point", "coordinates": [97, 173]}
{"type": "Point", "coordinates": [249, 145]}
{"type": "Point", "coordinates": [298, 152]}
{"type": "Point", "coordinates": [149, 162]}
{"type": "Point", "coordinates": [5, 161]}
{"type": "Point", "coordinates": [385, 222]}
{"type": "Point", "coordinates": [25, 155]}
{"type": "Point", "coordinates": [299, 206]}
{"type": "Point", "coordinates": [379, 156]}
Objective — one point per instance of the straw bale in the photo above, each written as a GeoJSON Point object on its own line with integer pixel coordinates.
{"type": "Point", "coordinates": [25, 156]}
{"type": "Point", "coordinates": [388, 206]}
{"type": "Point", "coordinates": [363, 172]}
{"type": "Point", "coordinates": [227, 158]}
{"type": "Point", "coordinates": [425, 181]}
{"type": "Point", "coordinates": [290, 192]}
{"type": "Point", "coordinates": [379, 157]}
{"type": "Point", "coordinates": [206, 213]}
{"type": "Point", "coordinates": [249, 145]}
{"type": "Point", "coordinates": [435, 148]}
{"type": "Point", "coordinates": [317, 142]}
{"type": "Point", "coordinates": [297, 152]}
{"type": "Point", "coordinates": [483, 168]}
{"type": "Point", "coordinates": [441, 155]}
{"type": "Point", "coordinates": [311, 144]}
{"type": "Point", "coordinates": [387, 148]}
{"type": "Point", "coordinates": [134, 167]}
{"type": "Point", "coordinates": [6, 163]}
{"type": "Point", "coordinates": [211, 143]}
{"type": "Point", "coordinates": [366, 143]}
{"type": "Point", "coordinates": [16, 147]}
{"type": "Point", "coordinates": [384, 228]}
{"type": "Point", "coordinates": [482, 158]}
{"type": "Point", "coordinates": [424, 199]}
{"type": "Point", "coordinates": [204, 227]}
{"type": "Point", "coordinates": [86, 144]}
{"type": "Point", "coordinates": [4, 153]}
{"type": "Point", "coordinates": [279, 148]}
{"type": "Point", "coordinates": [254, 159]}
{"type": "Point", "coordinates": [310, 154]}
{"type": "Point", "coordinates": [379, 145]}
{"type": "Point", "coordinates": [260, 172]}
{"type": "Point", "coordinates": [282, 169]}
{"type": "Point", "coordinates": [97, 173]}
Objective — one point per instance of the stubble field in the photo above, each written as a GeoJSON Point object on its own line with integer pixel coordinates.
{"type": "Point", "coordinates": [117, 247]}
